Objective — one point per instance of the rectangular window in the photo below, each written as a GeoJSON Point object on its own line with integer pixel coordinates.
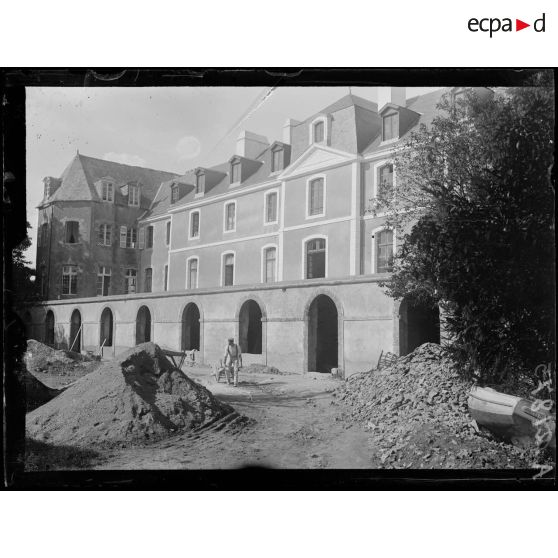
{"type": "Point", "coordinates": [103, 280]}
{"type": "Point", "coordinates": [386, 178]}
{"type": "Point", "coordinates": [147, 284]}
{"type": "Point", "coordinates": [149, 240]}
{"type": "Point", "coordinates": [235, 172]}
{"type": "Point", "coordinates": [384, 251]}
{"type": "Point", "coordinates": [271, 208]}
{"type": "Point", "coordinates": [228, 271]}
{"type": "Point", "coordinates": [315, 258]}
{"type": "Point", "coordinates": [69, 280]}
{"type": "Point", "coordinates": [134, 196]}
{"type": "Point", "coordinates": [230, 217]}
{"type": "Point", "coordinates": [105, 235]}
{"type": "Point", "coordinates": [108, 191]}
{"type": "Point", "coordinates": [174, 194]}
{"type": "Point", "coordinates": [193, 273]}
{"type": "Point", "coordinates": [194, 224]}
{"type": "Point", "coordinates": [168, 232]}
{"type": "Point", "coordinates": [131, 278]}
{"type": "Point", "coordinates": [200, 183]}
{"type": "Point", "coordinates": [391, 126]}
{"type": "Point", "coordinates": [166, 279]}
{"type": "Point", "coordinates": [131, 238]}
{"type": "Point", "coordinates": [270, 265]}
{"type": "Point", "coordinates": [319, 132]}
{"type": "Point", "coordinates": [72, 232]}
{"type": "Point", "coordinates": [277, 160]}
{"type": "Point", "coordinates": [316, 197]}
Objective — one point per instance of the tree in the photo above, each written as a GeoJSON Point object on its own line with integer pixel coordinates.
{"type": "Point", "coordinates": [25, 289]}
{"type": "Point", "coordinates": [475, 189]}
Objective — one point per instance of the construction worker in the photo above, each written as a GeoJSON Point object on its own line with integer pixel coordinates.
{"type": "Point", "coordinates": [232, 360]}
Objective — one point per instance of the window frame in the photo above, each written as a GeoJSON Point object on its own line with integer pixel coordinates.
{"type": "Point", "coordinates": [392, 114]}
{"type": "Point", "coordinates": [175, 193]}
{"type": "Point", "coordinates": [264, 250]}
{"type": "Point", "coordinates": [168, 232]}
{"type": "Point", "coordinates": [200, 178]}
{"type": "Point", "coordinates": [189, 259]}
{"type": "Point", "coordinates": [104, 275]}
{"type": "Point", "coordinates": [129, 237]}
{"type": "Point", "coordinates": [150, 269]}
{"type": "Point", "coordinates": [110, 190]}
{"type": "Point", "coordinates": [132, 190]}
{"type": "Point", "coordinates": [128, 276]}
{"type": "Point", "coordinates": [66, 241]}
{"type": "Point", "coordinates": [305, 241]}
{"type": "Point", "coordinates": [374, 254]}
{"type": "Point", "coordinates": [266, 195]}
{"type": "Point", "coordinates": [107, 227]}
{"type": "Point", "coordinates": [166, 277]}
{"type": "Point", "coordinates": [308, 183]}
{"type": "Point", "coordinates": [225, 205]}
{"type": "Point", "coordinates": [149, 237]}
{"type": "Point", "coordinates": [223, 255]}
{"type": "Point", "coordinates": [190, 223]}
{"type": "Point", "coordinates": [277, 150]}
{"type": "Point", "coordinates": [236, 164]}
{"type": "Point", "coordinates": [324, 120]}
{"type": "Point", "coordinates": [72, 274]}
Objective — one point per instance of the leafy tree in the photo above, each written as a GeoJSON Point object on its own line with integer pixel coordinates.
{"type": "Point", "coordinates": [25, 289]}
{"type": "Point", "coordinates": [475, 190]}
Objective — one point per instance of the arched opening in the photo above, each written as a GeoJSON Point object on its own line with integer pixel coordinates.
{"type": "Point", "coordinates": [250, 328]}
{"type": "Point", "coordinates": [143, 325]}
{"type": "Point", "coordinates": [75, 331]}
{"type": "Point", "coordinates": [323, 342]}
{"type": "Point", "coordinates": [190, 328]}
{"type": "Point", "coordinates": [106, 328]}
{"type": "Point", "coordinates": [28, 322]}
{"type": "Point", "coordinates": [49, 328]}
{"type": "Point", "coordinates": [418, 323]}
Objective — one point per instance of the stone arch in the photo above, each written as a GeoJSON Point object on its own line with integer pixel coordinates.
{"type": "Point", "coordinates": [191, 327]}
{"type": "Point", "coordinates": [106, 327]}
{"type": "Point", "coordinates": [75, 331]}
{"type": "Point", "coordinates": [323, 332]}
{"type": "Point", "coordinates": [418, 323]}
{"type": "Point", "coordinates": [242, 321]}
{"type": "Point", "coordinates": [144, 324]}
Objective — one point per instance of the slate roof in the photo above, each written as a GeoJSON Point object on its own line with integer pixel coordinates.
{"type": "Point", "coordinates": [80, 176]}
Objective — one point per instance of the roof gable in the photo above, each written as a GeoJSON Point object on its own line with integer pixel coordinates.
{"type": "Point", "coordinates": [316, 157]}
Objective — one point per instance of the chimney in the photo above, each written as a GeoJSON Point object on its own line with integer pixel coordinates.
{"type": "Point", "coordinates": [250, 145]}
{"type": "Point", "coordinates": [288, 130]}
{"type": "Point", "coordinates": [394, 95]}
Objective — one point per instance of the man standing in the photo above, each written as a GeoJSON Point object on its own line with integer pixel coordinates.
{"type": "Point", "coordinates": [232, 360]}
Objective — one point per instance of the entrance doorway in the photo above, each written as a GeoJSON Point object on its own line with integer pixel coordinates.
{"type": "Point", "coordinates": [250, 328]}
{"type": "Point", "coordinates": [49, 328]}
{"type": "Point", "coordinates": [143, 325]}
{"type": "Point", "coordinates": [323, 342]}
{"type": "Point", "coordinates": [190, 328]}
{"type": "Point", "coordinates": [75, 332]}
{"type": "Point", "coordinates": [106, 328]}
{"type": "Point", "coordinates": [418, 324]}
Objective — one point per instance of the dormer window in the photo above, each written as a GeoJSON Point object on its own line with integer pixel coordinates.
{"type": "Point", "coordinates": [235, 172]}
{"type": "Point", "coordinates": [390, 126]}
{"type": "Point", "coordinates": [277, 159]}
{"type": "Point", "coordinates": [175, 193]}
{"type": "Point", "coordinates": [318, 131]}
{"type": "Point", "coordinates": [200, 183]}
{"type": "Point", "coordinates": [108, 192]}
{"type": "Point", "coordinates": [134, 195]}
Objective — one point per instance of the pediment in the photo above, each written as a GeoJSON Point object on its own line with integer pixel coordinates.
{"type": "Point", "coordinates": [316, 157]}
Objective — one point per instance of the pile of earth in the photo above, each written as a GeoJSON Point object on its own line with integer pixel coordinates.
{"type": "Point", "coordinates": [263, 369]}
{"type": "Point", "coordinates": [42, 358]}
{"type": "Point", "coordinates": [417, 411]}
{"type": "Point", "coordinates": [137, 397]}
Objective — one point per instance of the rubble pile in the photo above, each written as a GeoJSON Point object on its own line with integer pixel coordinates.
{"type": "Point", "coordinates": [41, 358]}
{"type": "Point", "coordinates": [417, 411]}
{"type": "Point", "coordinates": [139, 396]}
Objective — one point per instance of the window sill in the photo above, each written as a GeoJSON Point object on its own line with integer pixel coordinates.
{"type": "Point", "coordinates": [389, 141]}
{"type": "Point", "coordinates": [271, 223]}
{"type": "Point", "coordinates": [200, 195]}
{"type": "Point", "coordinates": [321, 215]}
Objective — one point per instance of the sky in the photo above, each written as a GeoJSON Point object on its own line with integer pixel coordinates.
{"type": "Point", "coordinates": [166, 128]}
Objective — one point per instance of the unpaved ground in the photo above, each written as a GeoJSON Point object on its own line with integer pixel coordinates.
{"type": "Point", "coordinates": [295, 427]}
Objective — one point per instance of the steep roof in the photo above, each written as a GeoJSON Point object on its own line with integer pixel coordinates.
{"type": "Point", "coordinates": [80, 176]}
{"type": "Point", "coordinates": [347, 101]}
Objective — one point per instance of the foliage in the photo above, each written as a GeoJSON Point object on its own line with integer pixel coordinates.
{"type": "Point", "coordinates": [476, 191]}
{"type": "Point", "coordinates": [23, 277]}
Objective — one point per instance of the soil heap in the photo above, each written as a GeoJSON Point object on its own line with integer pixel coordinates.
{"type": "Point", "coordinates": [40, 358]}
{"type": "Point", "coordinates": [136, 397]}
{"type": "Point", "coordinates": [417, 411]}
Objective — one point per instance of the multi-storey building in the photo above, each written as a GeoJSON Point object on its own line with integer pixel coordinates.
{"type": "Point", "coordinates": [275, 246]}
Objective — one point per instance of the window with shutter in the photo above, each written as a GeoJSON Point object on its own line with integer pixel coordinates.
{"type": "Point", "coordinates": [123, 235]}
{"type": "Point", "coordinates": [142, 238]}
{"type": "Point", "coordinates": [131, 238]}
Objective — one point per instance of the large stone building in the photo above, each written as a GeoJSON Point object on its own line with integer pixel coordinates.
{"type": "Point", "coordinates": [274, 246]}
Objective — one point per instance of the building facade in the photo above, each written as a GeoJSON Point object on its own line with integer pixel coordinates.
{"type": "Point", "coordinates": [275, 247]}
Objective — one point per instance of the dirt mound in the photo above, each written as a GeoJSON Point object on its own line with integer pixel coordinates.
{"type": "Point", "coordinates": [40, 357]}
{"type": "Point", "coordinates": [262, 369]}
{"type": "Point", "coordinates": [139, 396]}
{"type": "Point", "coordinates": [417, 411]}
